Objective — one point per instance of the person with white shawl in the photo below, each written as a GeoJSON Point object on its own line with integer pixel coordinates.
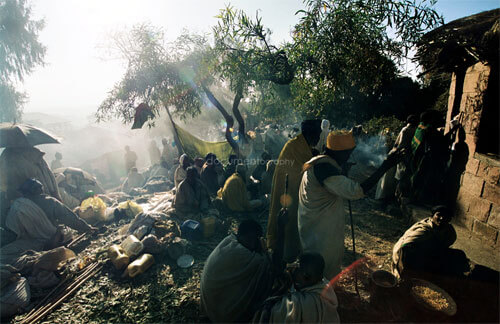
{"type": "Point", "coordinates": [180, 172]}
{"type": "Point", "coordinates": [322, 192]}
{"type": "Point", "coordinates": [325, 130]}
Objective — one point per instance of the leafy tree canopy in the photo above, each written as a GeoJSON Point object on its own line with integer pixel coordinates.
{"type": "Point", "coordinates": [20, 53]}
{"type": "Point", "coordinates": [154, 76]}
{"type": "Point", "coordinates": [344, 51]}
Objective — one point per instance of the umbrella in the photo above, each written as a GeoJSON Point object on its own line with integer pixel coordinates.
{"type": "Point", "coordinates": [20, 135]}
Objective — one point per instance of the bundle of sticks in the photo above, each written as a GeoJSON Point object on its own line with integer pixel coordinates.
{"type": "Point", "coordinates": [62, 291]}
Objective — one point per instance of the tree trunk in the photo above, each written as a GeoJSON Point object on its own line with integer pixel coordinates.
{"type": "Point", "coordinates": [239, 118]}
{"type": "Point", "coordinates": [229, 119]}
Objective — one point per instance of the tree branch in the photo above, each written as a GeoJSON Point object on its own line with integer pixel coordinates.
{"type": "Point", "coordinates": [237, 115]}
{"type": "Point", "coordinates": [229, 119]}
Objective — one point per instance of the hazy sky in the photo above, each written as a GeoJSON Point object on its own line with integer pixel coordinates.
{"type": "Point", "coordinates": [77, 75]}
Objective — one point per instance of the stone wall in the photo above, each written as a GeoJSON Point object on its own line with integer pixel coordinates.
{"type": "Point", "coordinates": [478, 201]}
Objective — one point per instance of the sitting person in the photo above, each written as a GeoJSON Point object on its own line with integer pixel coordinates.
{"type": "Point", "coordinates": [210, 173]}
{"type": "Point", "coordinates": [192, 195]}
{"type": "Point", "coordinates": [425, 248]}
{"type": "Point", "coordinates": [198, 164]}
{"type": "Point", "coordinates": [35, 219]}
{"type": "Point", "coordinates": [180, 172]}
{"type": "Point", "coordinates": [311, 299]}
{"type": "Point", "coordinates": [237, 276]}
{"type": "Point", "coordinates": [134, 180]}
{"type": "Point", "coordinates": [234, 194]}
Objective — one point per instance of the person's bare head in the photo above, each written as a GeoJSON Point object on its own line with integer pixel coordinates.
{"type": "Point", "coordinates": [441, 215]}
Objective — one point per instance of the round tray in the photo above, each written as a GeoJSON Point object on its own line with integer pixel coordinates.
{"type": "Point", "coordinates": [185, 261]}
{"type": "Point", "coordinates": [383, 279]}
{"type": "Point", "coordinates": [452, 306]}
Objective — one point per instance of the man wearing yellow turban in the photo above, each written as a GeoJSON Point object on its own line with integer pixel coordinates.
{"type": "Point", "coordinates": [322, 192]}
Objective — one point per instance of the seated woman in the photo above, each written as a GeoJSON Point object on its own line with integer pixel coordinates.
{"type": "Point", "coordinates": [212, 174]}
{"type": "Point", "coordinates": [234, 194]}
{"type": "Point", "coordinates": [192, 196]}
{"type": "Point", "coordinates": [425, 248]}
{"type": "Point", "coordinates": [180, 172]}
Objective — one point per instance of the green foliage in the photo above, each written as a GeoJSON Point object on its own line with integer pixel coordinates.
{"type": "Point", "coordinates": [251, 65]}
{"type": "Point", "coordinates": [344, 53]}
{"type": "Point", "coordinates": [155, 75]}
{"type": "Point", "coordinates": [389, 125]}
{"type": "Point", "coordinates": [12, 103]}
{"type": "Point", "coordinates": [20, 50]}
{"type": "Point", "coordinates": [20, 53]}
{"type": "Point", "coordinates": [245, 55]}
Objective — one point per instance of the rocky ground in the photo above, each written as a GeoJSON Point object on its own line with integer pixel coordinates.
{"type": "Point", "coordinates": [168, 293]}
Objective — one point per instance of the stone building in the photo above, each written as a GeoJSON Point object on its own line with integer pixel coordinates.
{"type": "Point", "coordinates": [469, 49]}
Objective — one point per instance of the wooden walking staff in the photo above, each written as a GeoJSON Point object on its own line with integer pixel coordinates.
{"type": "Point", "coordinates": [353, 249]}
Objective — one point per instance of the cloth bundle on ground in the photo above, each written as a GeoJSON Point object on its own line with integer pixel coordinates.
{"type": "Point", "coordinates": [77, 182]}
{"type": "Point", "coordinates": [148, 220]}
{"type": "Point", "coordinates": [35, 269]}
{"type": "Point", "coordinates": [295, 153]}
{"type": "Point", "coordinates": [234, 281]}
{"type": "Point", "coordinates": [193, 146]}
{"type": "Point", "coordinates": [321, 215]}
{"type": "Point", "coordinates": [314, 304]}
{"type": "Point", "coordinates": [158, 184]}
{"type": "Point", "coordinates": [14, 297]}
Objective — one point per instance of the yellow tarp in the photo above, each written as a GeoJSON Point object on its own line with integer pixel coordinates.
{"type": "Point", "coordinates": [195, 147]}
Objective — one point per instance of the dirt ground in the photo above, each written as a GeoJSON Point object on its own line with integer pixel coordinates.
{"type": "Point", "coordinates": [168, 293]}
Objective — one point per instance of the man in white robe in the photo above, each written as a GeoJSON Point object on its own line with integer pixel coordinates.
{"type": "Point", "coordinates": [322, 193]}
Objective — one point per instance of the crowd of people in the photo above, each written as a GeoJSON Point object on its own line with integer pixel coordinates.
{"type": "Point", "coordinates": [303, 184]}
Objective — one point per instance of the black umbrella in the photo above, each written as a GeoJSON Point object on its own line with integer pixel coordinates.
{"type": "Point", "coordinates": [19, 135]}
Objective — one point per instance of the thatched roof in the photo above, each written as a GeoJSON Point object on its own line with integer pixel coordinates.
{"type": "Point", "coordinates": [461, 43]}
